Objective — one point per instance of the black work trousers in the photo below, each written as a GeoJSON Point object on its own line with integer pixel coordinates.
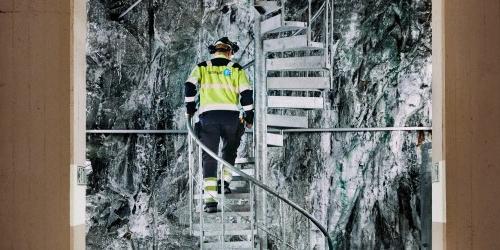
{"type": "Point", "coordinates": [211, 131]}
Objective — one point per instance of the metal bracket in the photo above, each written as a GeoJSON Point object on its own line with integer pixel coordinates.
{"type": "Point", "coordinates": [81, 175]}
{"type": "Point", "coordinates": [435, 172]}
{"type": "Point", "coordinates": [129, 9]}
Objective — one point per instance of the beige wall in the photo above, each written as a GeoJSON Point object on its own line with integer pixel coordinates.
{"type": "Point", "coordinates": [36, 124]}
{"type": "Point", "coordinates": [438, 188]}
{"type": "Point", "coordinates": [472, 123]}
{"type": "Point", "coordinates": [78, 118]}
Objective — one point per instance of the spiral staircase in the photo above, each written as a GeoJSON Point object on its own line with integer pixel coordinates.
{"type": "Point", "coordinates": [296, 75]}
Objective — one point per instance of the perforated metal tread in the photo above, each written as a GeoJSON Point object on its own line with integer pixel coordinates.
{"type": "Point", "coordinates": [245, 160]}
{"type": "Point", "coordinates": [231, 196]}
{"type": "Point", "coordinates": [248, 171]}
{"type": "Point", "coordinates": [302, 63]}
{"type": "Point", "coordinates": [234, 208]}
{"type": "Point", "coordinates": [267, 6]}
{"type": "Point", "coordinates": [276, 24]}
{"type": "Point", "coordinates": [295, 102]}
{"type": "Point", "coordinates": [291, 43]}
{"type": "Point", "coordinates": [242, 232]}
{"type": "Point", "coordinates": [298, 83]}
{"type": "Point", "coordinates": [287, 121]}
{"type": "Point", "coordinates": [216, 227]}
{"type": "Point", "coordinates": [226, 214]}
{"type": "Point", "coordinates": [229, 245]}
{"type": "Point", "coordinates": [275, 140]}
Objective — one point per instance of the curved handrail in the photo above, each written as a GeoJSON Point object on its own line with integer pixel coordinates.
{"type": "Point", "coordinates": [247, 220]}
{"type": "Point", "coordinates": [318, 12]}
{"type": "Point", "coordinates": [258, 183]}
{"type": "Point", "coordinates": [252, 62]}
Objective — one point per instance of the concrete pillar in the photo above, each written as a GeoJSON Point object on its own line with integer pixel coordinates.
{"type": "Point", "coordinates": [260, 128]}
{"type": "Point", "coordinates": [78, 121]}
{"type": "Point", "coordinates": [438, 168]}
{"type": "Point", "coordinates": [40, 137]}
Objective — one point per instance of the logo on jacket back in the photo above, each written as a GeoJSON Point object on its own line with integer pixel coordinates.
{"type": "Point", "coordinates": [227, 72]}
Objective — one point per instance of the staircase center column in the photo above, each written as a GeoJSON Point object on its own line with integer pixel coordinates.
{"type": "Point", "coordinates": [260, 129]}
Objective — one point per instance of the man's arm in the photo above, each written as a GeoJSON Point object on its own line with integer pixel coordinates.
{"type": "Point", "coordinates": [246, 96]}
{"type": "Point", "coordinates": [190, 91]}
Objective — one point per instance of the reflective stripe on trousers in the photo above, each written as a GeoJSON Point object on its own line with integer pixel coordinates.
{"type": "Point", "coordinates": [211, 132]}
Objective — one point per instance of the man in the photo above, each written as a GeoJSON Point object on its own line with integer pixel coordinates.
{"type": "Point", "coordinates": [222, 85]}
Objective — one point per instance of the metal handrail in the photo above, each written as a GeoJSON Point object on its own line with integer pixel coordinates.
{"type": "Point", "coordinates": [318, 12]}
{"type": "Point", "coordinates": [130, 8]}
{"type": "Point", "coordinates": [312, 19]}
{"type": "Point", "coordinates": [247, 65]}
{"type": "Point", "coordinates": [258, 183]}
{"type": "Point", "coordinates": [290, 130]}
{"type": "Point", "coordinates": [237, 213]}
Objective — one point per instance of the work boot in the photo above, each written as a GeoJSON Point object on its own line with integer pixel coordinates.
{"type": "Point", "coordinates": [210, 207]}
{"type": "Point", "coordinates": [227, 190]}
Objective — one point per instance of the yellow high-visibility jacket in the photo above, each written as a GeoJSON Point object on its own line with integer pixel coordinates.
{"type": "Point", "coordinates": [222, 85]}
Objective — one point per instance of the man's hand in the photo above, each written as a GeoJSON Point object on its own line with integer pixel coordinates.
{"type": "Point", "coordinates": [190, 109]}
{"type": "Point", "coordinates": [248, 125]}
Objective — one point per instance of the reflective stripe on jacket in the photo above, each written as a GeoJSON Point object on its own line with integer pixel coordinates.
{"type": "Point", "coordinates": [221, 84]}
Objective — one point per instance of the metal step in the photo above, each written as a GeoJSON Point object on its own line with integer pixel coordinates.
{"type": "Point", "coordinates": [248, 171]}
{"type": "Point", "coordinates": [276, 24]}
{"type": "Point", "coordinates": [232, 208]}
{"type": "Point", "coordinates": [298, 83]}
{"type": "Point", "coordinates": [275, 140]}
{"type": "Point", "coordinates": [217, 227]}
{"type": "Point", "coordinates": [229, 217]}
{"type": "Point", "coordinates": [295, 102]}
{"type": "Point", "coordinates": [287, 121]}
{"type": "Point", "coordinates": [229, 233]}
{"type": "Point", "coordinates": [226, 214]}
{"type": "Point", "coordinates": [265, 7]}
{"type": "Point", "coordinates": [296, 63]}
{"type": "Point", "coordinates": [239, 185]}
{"type": "Point", "coordinates": [231, 196]}
{"type": "Point", "coordinates": [247, 160]}
{"type": "Point", "coordinates": [229, 245]}
{"type": "Point", "coordinates": [299, 42]}
{"type": "Point", "coordinates": [233, 232]}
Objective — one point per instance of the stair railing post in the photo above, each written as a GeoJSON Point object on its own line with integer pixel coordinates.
{"type": "Point", "coordinates": [201, 196]}
{"type": "Point", "coordinates": [283, 10]}
{"type": "Point", "coordinates": [327, 35]}
{"type": "Point", "coordinates": [332, 18]}
{"type": "Point", "coordinates": [260, 128]}
{"type": "Point", "coordinates": [282, 224]}
{"type": "Point", "coordinates": [309, 36]}
{"type": "Point", "coordinates": [191, 189]}
{"type": "Point", "coordinates": [252, 214]}
{"type": "Point", "coordinates": [222, 205]}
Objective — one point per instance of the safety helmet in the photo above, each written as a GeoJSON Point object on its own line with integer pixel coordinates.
{"type": "Point", "coordinates": [224, 45]}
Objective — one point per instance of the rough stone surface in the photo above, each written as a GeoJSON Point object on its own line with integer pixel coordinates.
{"type": "Point", "coordinates": [364, 186]}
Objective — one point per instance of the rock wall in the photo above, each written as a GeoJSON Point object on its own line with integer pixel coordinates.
{"type": "Point", "coordinates": [364, 186]}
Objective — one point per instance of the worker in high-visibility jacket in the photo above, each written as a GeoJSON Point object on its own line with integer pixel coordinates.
{"type": "Point", "coordinates": [222, 87]}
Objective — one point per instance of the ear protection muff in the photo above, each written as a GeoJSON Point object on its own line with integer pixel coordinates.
{"type": "Point", "coordinates": [234, 47]}
{"type": "Point", "coordinates": [211, 49]}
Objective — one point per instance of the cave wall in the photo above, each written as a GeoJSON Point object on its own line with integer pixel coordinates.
{"type": "Point", "coordinates": [364, 186]}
